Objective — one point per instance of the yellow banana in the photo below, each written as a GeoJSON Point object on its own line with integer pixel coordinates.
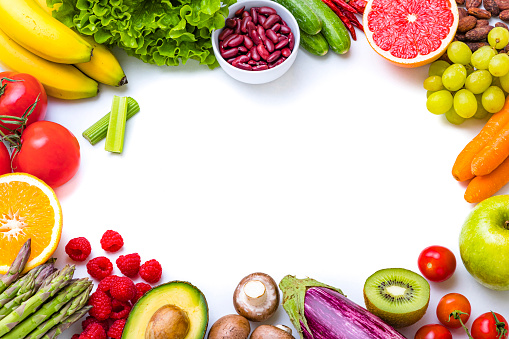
{"type": "Point", "coordinates": [27, 23]}
{"type": "Point", "coordinates": [59, 80]}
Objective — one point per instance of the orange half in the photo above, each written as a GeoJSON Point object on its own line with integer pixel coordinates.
{"type": "Point", "coordinates": [28, 209]}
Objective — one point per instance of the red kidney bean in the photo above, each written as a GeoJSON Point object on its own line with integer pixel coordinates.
{"type": "Point", "coordinates": [241, 59]}
{"type": "Point", "coordinates": [240, 11]}
{"type": "Point", "coordinates": [237, 26]}
{"type": "Point", "coordinates": [282, 43]}
{"type": "Point", "coordinates": [285, 29]}
{"type": "Point", "coordinates": [230, 60]}
{"type": "Point", "coordinates": [254, 14]}
{"type": "Point", "coordinates": [250, 26]}
{"type": "Point", "coordinates": [261, 19]}
{"type": "Point", "coordinates": [254, 54]}
{"type": "Point", "coordinates": [265, 10]}
{"type": "Point", "coordinates": [243, 49]}
{"type": "Point", "coordinates": [236, 41]}
{"type": "Point", "coordinates": [271, 35]}
{"type": "Point", "coordinates": [277, 62]}
{"type": "Point", "coordinates": [286, 52]}
{"type": "Point", "coordinates": [243, 23]}
{"type": "Point", "coordinates": [245, 14]}
{"type": "Point", "coordinates": [260, 68]}
{"type": "Point", "coordinates": [271, 21]}
{"type": "Point", "coordinates": [291, 40]}
{"type": "Point", "coordinates": [248, 42]}
{"type": "Point", "coordinates": [241, 65]}
{"type": "Point", "coordinates": [227, 40]}
{"type": "Point", "coordinates": [225, 33]}
{"type": "Point", "coordinates": [269, 45]}
{"type": "Point", "coordinates": [276, 27]}
{"type": "Point", "coordinates": [255, 37]}
{"type": "Point", "coordinates": [252, 62]}
{"type": "Point", "coordinates": [274, 56]}
{"type": "Point", "coordinates": [230, 22]}
{"type": "Point", "coordinates": [264, 54]}
{"type": "Point", "coordinates": [229, 53]}
{"type": "Point", "coordinates": [261, 33]}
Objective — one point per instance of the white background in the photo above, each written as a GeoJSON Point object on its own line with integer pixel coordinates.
{"type": "Point", "coordinates": [334, 171]}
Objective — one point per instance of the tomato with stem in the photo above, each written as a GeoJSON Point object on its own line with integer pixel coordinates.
{"type": "Point", "coordinates": [489, 325]}
{"type": "Point", "coordinates": [453, 310]}
{"type": "Point", "coordinates": [5, 159]}
{"type": "Point", "coordinates": [437, 263]}
{"type": "Point", "coordinates": [433, 331]}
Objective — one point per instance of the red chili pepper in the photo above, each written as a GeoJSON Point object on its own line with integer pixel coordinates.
{"type": "Point", "coordinates": [343, 18]}
{"type": "Point", "coordinates": [359, 5]}
{"type": "Point", "coordinates": [353, 20]}
{"type": "Point", "coordinates": [344, 5]}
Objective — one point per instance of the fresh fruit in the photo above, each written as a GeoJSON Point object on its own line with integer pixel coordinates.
{"type": "Point", "coordinates": [5, 159]}
{"type": "Point", "coordinates": [101, 305]}
{"type": "Point", "coordinates": [484, 242]}
{"type": "Point", "coordinates": [30, 26]}
{"type": "Point", "coordinates": [307, 19]}
{"type": "Point", "coordinates": [129, 264]}
{"type": "Point", "coordinates": [123, 289]}
{"type": "Point", "coordinates": [182, 296]}
{"type": "Point", "coordinates": [438, 67]}
{"type": "Point", "coordinates": [454, 77]}
{"type": "Point", "coordinates": [465, 103]}
{"type": "Point", "coordinates": [440, 102]}
{"type": "Point", "coordinates": [453, 310]}
{"type": "Point", "coordinates": [498, 37]}
{"type": "Point", "coordinates": [433, 331]}
{"type": "Point", "coordinates": [116, 329]}
{"type": "Point", "coordinates": [489, 325]}
{"type": "Point", "coordinates": [151, 271]}
{"type": "Point", "coordinates": [411, 34]}
{"type": "Point", "coordinates": [59, 80]}
{"type": "Point", "coordinates": [78, 249]}
{"type": "Point", "coordinates": [29, 209]}
{"type": "Point", "coordinates": [478, 81]}
{"type": "Point", "coordinates": [433, 83]}
{"type": "Point", "coordinates": [499, 65]}
{"type": "Point", "coordinates": [481, 57]}
{"type": "Point", "coordinates": [99, 267]}
{"type": "Point", "coordinates": [459, 52]}
{"type": "Point", "coordinates": [111, 241]}
{"type": "Point", "coordinates": [398, 296]}
{"type": "Point", "coordinates": [437, 263]}
{"type": "Point", "coordinates": [453, 117]}
{"type": "Point", "coordinates": [493, 99]}
{"type": "Point", "coordinates": [48, 151]}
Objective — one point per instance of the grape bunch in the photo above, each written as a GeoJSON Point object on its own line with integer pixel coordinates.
{"type": "Point", "coordinates": [475, 84]}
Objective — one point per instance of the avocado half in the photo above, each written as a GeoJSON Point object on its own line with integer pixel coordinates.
{"type": "Point", "coordinates": [178, 293]}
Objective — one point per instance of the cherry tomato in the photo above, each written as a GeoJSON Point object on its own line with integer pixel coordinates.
{"type": "Point", "coordinates": [5, 159]}
{"type": "Point", "coordinates": [433, 331]}
{"type": "Point", "coordinates": [16, 97]}
{"type": "Point", "coordinates": [487, 327]}
{"type": "Point", "coordinates": [48, 151]}
{"type": "Point", "coordinates": [437, 263]}
{"type": "Point", "coordinates": [453, 305]}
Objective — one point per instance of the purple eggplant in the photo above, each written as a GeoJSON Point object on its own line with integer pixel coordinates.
{"type": "Point", "coordinates": [320, 311]}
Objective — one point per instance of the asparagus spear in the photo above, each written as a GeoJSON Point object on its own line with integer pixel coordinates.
{"type": "Point", "coordinates": [19, 286]}
{"type": "Point", "coordinates": [48, 309]}
{"type": "Point", "coordinates": [17, 266]}
{"type": "Point", "coordinates": [14, 304]}
{"type": "Point", "coordinates": [58, 329]}
{"type": "Point", "coordinates": [30, 306]}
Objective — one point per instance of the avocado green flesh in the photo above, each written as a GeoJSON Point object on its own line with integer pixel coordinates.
{"type": "Point", "coordinates": [178, 293]}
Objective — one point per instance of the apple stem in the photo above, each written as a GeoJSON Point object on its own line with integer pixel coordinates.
{"type": "Point", "coordinates": [456, 315]}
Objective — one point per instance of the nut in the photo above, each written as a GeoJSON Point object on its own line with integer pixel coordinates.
{"type": "Point", "coordinates": [462, 12]}
{"type": "Point", "coordinates": [482, 22]}
{"type": "Point", "coordinates": [501, 24]}
{"type": "Point", "coordinates": [479, 13]}
{"type": "Point", "coordinates": [472, 3]}
{"type": "Point", "coordinates": [492, 7]}
{"type": "Point", "coordinates": [502, 4]}
{"type": "Point", "coordinates": [504, 15]}
{"type": "Point", "coordinates": [474, 46]}
{"type": "Point", "coordinates": [460, 37]}
{"type": "Point", "coordinates": [466, 23]}
{"type": "Point", "coordinates": [478, 34]}
{"type": "Point", "coordinates": [460, 2]}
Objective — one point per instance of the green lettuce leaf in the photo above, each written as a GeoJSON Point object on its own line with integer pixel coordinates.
{"type": "Point", "coordinates": [161, 32]}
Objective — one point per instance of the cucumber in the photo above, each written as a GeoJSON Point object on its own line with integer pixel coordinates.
{"type": "Point", "coordinates": [307, 19]}
{"type": "Point", "coordinates": [333, 28]}
{"type": "Point", "coordinates": [315, 44]}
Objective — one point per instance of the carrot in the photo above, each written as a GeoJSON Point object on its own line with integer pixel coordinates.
{"type": "Point", "coordinates": [493, 154]}
{"type": "Point", "coordinates": [483, 187]}
{"type": "Point", "coordinates": [462, 168]}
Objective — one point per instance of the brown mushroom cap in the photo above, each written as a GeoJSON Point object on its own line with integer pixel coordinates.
{"type": "Point", "coordinates": [270, 332]}
{"type": "Point", "coordinates": [256, 297]}
{"type": "Point", "coordinates": [232, 326]}
{"type": "Point", "coordinates": [169, 321]}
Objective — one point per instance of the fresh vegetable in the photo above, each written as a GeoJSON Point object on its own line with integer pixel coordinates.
{"type": "Point", "coordinates": [489, 325]}
{"type": "Point", "coordinates": [48, 151]}
{"type": "Point", "coordinates": [433, 331]}
{"type": "Point", "coordinates": [309, 22]}
{"type": "Point", "coordinates": [314, 44]}
{"type": "Point", "coordinates": [483, 187]}
{"type": "Point", "coordinates": [346, 14]}
{"type": "Point", "coordinates": [437, 263]}
{"type": "Point", "coordinates": [453, 310]}
{"type": "Point", "coordinates": [320, 311]}
{"type": "Point", "coordinates": [116, 126]}
{"type": "Point", "coordinates": [5, 159]}
{"type": "Point", "coordinates": [231, 325]}
{"type": "Point", "coordinates": [66, 323]}
{"type": "Point", "coordinates": [17, 266]}
{"type": "Point", "coordinates": [273, 332]}
{"type": "Point", "coordinates": [493, 154]}
{"type": "Point", "coordinates": [164, 33]}
{"type": "Point", "coordinates": [256, 297]}
{"type": "Point", "coordinates": [98, 130]}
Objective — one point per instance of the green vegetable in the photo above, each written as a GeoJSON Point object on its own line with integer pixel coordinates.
{"type": "Point", "coordinates": [315, 44]}
{"type": "Point", "coordinates": [17, 266]}
{"type": "Point", "coordinates": [158, 32]}
{"type": "Point", "coordinates": [116, 126]}
{"type": "Point", "coordinates": [66, 323]}
{"type": "Point", "coordinates": [307, 19]}
{"type": "Point", "coordinates": [20, 286]}
{"type": "Point", "coordinates": [98, 131]}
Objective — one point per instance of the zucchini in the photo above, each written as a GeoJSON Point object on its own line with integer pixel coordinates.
{"type": "Point", "coordinates": [333, 28]}
{"type": "Point", "coordinates": [307, 19]}
{"type": "Point", "coordinates": [314, 44]}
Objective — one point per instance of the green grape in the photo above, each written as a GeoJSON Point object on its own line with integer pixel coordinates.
{"type": "Point", "coordinates": [493, 99]}
{"type": "Point", "coordinates": [459, 52]}
{"type": "Point", "coordinates": [454, 77]}
{"type": "Point", "coordinates": [478, 81]}
{"type": "Point", "coordinates": [481, 112]}
{"type": "Point", "coordinates": [433, 83]}
{"type": "Point", "coordinates": [481, 57]}
{"type": "Point", "coordinates": [498, 37]}
{"type": "Point", "coordinates": [504, 82]}
{"type": "Point", "coordinates": [470, 69]}
{"type": "Point", "coordinates": [453, 117]}
{"type": "Point", "coordinates": [428, 93]}
{"type": "Point", "coordinates": [499, 65]}
{"type": "Point", "coordinates": [438, 67]}
{"type": "Point", "coordinates": [439, 102]}
{"type": "Point", "coordinates": [465, 103]}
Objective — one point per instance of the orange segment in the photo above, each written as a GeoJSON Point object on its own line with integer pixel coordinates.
{"type": "Point", "coordinates": [29, 209]}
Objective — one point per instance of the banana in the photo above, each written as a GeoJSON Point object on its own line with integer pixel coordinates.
{"type": "Point", "coordinates": [59, 80]}
{"type": "Point", "coordinates": [27, 23]}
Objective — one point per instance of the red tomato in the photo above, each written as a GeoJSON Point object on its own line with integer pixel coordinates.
{"type": "Point", "coordinates": [48, 151]}
{"type": "Point", "coordinates": [487, 327]}
{"type": "Point", "coordinates": [5, 159]}
{"type": "Point", "coordinates": [437, 263]}
{"type": "Point", "coordinates": [17, 97]}
{"type": "Point", "coordinates": [450, 305]}
{"type": "Point", "coordinates": [433, 331]}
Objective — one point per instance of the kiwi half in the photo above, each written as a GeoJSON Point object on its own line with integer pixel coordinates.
{"type": "Point", "coordinates": [398, 296]}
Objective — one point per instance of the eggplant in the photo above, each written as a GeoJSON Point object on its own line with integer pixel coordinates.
{"type": "Point", "coordinates": [320, 311]}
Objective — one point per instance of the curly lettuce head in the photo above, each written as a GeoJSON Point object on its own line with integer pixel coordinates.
{"type": "Point", "coordinates": [163, 32]}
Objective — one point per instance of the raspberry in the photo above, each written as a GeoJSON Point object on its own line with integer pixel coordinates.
{"type": "Point", "coordinates": [151, 271]}
{"type": "Point", "coordinates": [129, 264]}
{"type": "Point", "coordinates": [141, 289]}
{"type": "Point", "coordinates": [75, 336]}
{"type": "Point", "coordinates": [93, 320]}
{"type": "Point", "coordinates": [116, 329]}
{"type": "Point", "coordinates": [78, 249]}
{"type": "Point", "coordinates": [93, 331]}
{"type": "Point", "coordinates": [123, 289]}
{"type": "Point", "coordinates": [99, 267]}
{"type": "Point", "coordinates": [120, 309]}
{"type": "Point", "coordinates": [111, 241]}
{"type": "Point", "coordinates": [101, 305]}
{"type": "Point", "coordinates": [105, 284]}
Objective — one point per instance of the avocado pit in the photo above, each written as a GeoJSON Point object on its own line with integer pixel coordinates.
{"type": "Point", "coordinates": [168, 322]}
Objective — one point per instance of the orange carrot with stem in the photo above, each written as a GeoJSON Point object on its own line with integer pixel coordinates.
{"type": "Point", "coordinates": [462, 168]}
{"type": "Point", "coordinates": [483, 187]}
{"type": "Point", "coordinates": [493, 154]}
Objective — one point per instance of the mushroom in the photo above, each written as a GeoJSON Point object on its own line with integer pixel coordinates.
{"type": "Point", "coordinates": [272, 332]}
{"type": "Point", "coordinates": [168, 322]}
{"type": "Point", "coordinates": [232, 326]}
{"type": "Point", "coordinates": [256, 297]}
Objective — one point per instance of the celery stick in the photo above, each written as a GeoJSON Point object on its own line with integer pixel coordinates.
{"type": "Point", "coordinates": [98, 130]}
{"type": "Point", "coordinates": [116, 127]}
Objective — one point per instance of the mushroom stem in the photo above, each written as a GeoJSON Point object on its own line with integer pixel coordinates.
{"type": "Point", "coordinates": [255, 292]}
{"type": "Point", "coordinates": [285, 328]}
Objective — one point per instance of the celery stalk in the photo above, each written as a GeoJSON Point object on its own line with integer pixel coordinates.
{"type": "Point", "coordinates": [98, 130]}
{"type": "Point", "coordinates": [116, 127]}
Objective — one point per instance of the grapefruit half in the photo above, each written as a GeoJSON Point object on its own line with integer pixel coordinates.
{"type": "Point", "coordinates": [410, 33]}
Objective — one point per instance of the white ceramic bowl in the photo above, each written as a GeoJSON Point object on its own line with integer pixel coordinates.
{"type": "Point", "coordinates": [259, 77]}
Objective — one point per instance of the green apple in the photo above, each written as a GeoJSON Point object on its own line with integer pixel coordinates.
{"type": "Point", "coordinates": [484, 242]}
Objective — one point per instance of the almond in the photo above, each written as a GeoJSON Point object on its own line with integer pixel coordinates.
{"type": "Point", "coordinates": [479, 13]}
{"type": "Point", "coordinates": [478, 34]}
{"type": "Point", "coordinates": [466, 23]}
{"type": "Point", "coordinates": [492, 7]}
{"type": "Point", "coordinates": [501, 24]}
{"type": "Point", "coordinates": [472, 3]}
{"type": "Point", "coordinates": [474, 46]}
{"type": "Point", "coordinates": [504, 15]}
{"type": "Point", "coordinates": [502, 4]}
{"type": "Point", "coordinates": [482, 22]}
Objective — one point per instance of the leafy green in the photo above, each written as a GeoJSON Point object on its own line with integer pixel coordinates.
{"type": "Point", "coordinates": [161, 32]}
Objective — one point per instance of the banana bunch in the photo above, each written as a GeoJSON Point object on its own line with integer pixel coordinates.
{"type": "Point", "coordinates": [68, 64]}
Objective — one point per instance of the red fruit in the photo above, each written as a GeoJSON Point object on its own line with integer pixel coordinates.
{"type": "Point", "coordinates": [111, 241]}
{"type": "Point", "coordinates": [94, 331]}
{"type": "Point", "coordinates": [489, 325]}
{"type": "Point", "coordinates": [93, 320]}
{"type": "Point", "coordinates": [437, 263]}
{"type": "Point", "coordinates": [151, 271]}
{"type": "Point", "coordinates": [120, 309]}
{"type": "Point", "coordinates": [78, 249]}
{"type": "Point", "coordinates": [123, 289]}
{"type": "Point", "coordinates": [5, 159]}
{"type": "Point", "coordinates": [129, 264]}
{"type": "Point", "coordinates": [105, 284]}
{"type": "Point", "coordinates": [101, 305]}
{"type": "Point", "coordinates": [116, 329]}
{"type": "Point", "coordinates": [99, 268]}
{"type": "Point", "coordinates": [141, 289]}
